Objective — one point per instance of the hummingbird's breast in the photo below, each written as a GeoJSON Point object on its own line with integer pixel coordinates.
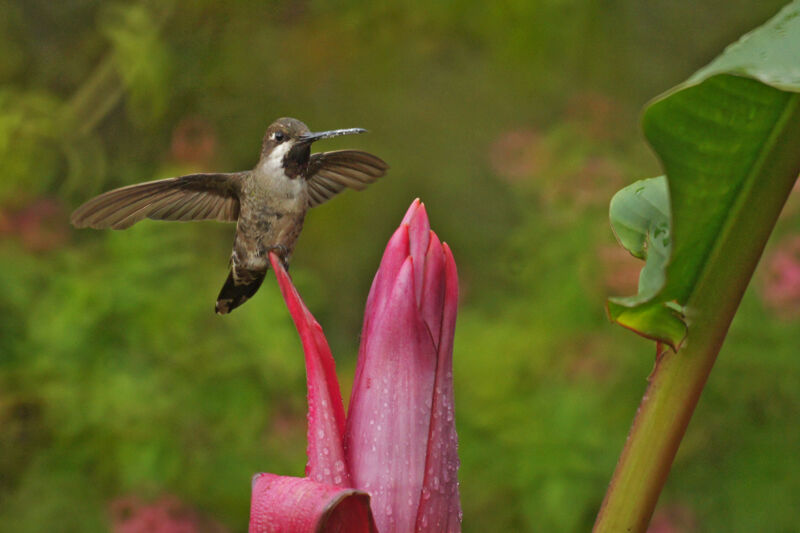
{"type": "Point", "coordinates": [271, 214]}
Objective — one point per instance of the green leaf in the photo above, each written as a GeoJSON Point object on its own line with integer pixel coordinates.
{"type": "Point", "coordinates": [729, 142]}
{"type": "Point", "coordinates": [639, 216]}
{"type": "Point", "coordinates": [141, 58]}
{"type": "Point", "coordinates": [28, 133]}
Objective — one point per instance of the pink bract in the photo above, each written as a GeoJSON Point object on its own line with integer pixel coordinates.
{"type": "Point", "coordinates": [397, 447]}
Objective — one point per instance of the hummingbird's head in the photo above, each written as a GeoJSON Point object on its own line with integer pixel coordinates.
{"type": "Point", "coordinates": [287, 144]}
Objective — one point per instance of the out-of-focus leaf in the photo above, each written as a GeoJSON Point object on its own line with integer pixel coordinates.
{"type": "Point", "coordinates": [36, 145]}
{"type": "Point", "coordinates": [28, 129]}
{"type": "Point", "coordinates": [86, 166]}
{"type": "Point", "coordinates": [728, 139]}
{"type": "Point", "coordinates": [141, 58]}
{"type": "Point", "coordinates": [639, 216]}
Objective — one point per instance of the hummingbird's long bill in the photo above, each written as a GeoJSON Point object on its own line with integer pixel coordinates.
{"type": "Point", "coordinates": [311, 137]}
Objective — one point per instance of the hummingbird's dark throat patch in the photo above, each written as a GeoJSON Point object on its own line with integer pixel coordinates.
{"type": "Point", "coordinates": [295, 162]}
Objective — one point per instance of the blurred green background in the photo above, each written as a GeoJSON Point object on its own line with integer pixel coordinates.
{"type": "Point", "coordinates": [123, 398]}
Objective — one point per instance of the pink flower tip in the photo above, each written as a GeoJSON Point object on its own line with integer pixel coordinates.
{"type": "Point", "coordinates": [411, 211]}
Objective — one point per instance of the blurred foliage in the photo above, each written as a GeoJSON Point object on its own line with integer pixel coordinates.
{"type": "Point", "coordinates": [514, 121]}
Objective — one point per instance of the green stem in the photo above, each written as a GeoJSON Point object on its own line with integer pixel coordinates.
{"type": "Point", "coordinates": [679, 378]}
{"type": "Point", "coordinates": [657, 431]}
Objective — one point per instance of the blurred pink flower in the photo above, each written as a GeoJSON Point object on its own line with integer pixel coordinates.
{"type": "Point", "coordinates": [596, 114]}
{"type": "Point", "coordinates": [165, 515]}
{"type": "Point", "coordinates": [391, 465]}
{"type": "Point", "coordinates": [39, 226]}
{"type": "Point", "coordinates": [519, 154]}
{"type": "Point", "coordinates": [619, 269]}
{"type": "Point", "coordinates": [673, 518]}
{"type": "Point", "coordinates": [194, 142]}
{"type": "Point", "coordinates": [781, 288]}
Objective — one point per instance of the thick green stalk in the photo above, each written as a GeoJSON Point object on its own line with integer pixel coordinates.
{"type": "Point", "coordinates": [679, 378]}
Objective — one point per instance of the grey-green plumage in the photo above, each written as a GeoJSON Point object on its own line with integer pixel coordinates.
{"type": "Point", "coordinates": [268, 203]}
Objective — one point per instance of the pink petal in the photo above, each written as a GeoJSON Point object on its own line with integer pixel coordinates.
{"type": "Point", "coordinates": [296, 505]}
{"type": "Point", "coordinates": [393, 257]}
{"type": "Point", "coordinates": [411, 238]}
{"type": "Point", "coordinates": [326, 421]}
{"type": "Point", "coordinates": [450, 309]}
{"type": "Point", "coordinates": [419, 231]}
{"type": "Point", "coordinates": [389, 417]}
{"type": "Point", "coordinates": [433, 288]}
{"type": "Point", "coordinates": [412, 209]}
{"type": "Point", "coordinates": [440, 508]}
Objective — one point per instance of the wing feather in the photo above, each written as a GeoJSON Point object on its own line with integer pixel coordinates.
{"type": "Point", "coordinates": [192, 197]}
{"type": "Point", "coordinates": [331, 172]}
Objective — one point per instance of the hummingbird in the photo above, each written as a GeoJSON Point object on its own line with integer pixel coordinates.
{"type": "Point", "coordinates": [268, 203]}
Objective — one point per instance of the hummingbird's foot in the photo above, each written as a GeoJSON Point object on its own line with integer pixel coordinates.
{"type": "Point", "coordinates": [282, 252]}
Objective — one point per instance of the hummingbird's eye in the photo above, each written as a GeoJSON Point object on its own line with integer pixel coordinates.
{"type": "Point", "coordinates": [278, 136]}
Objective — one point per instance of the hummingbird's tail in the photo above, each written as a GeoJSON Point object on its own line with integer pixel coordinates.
{"type": "Point", "coordinates": [240, 286]}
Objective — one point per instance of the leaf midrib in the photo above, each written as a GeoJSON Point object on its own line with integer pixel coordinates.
{"type": "Point", "coordinates": [744, 192]}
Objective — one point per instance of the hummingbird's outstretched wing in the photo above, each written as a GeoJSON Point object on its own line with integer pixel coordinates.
{"type": "Point", "coordinates": [330, 172]}
{"type": "Point", "coordinates": [192, 197]}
